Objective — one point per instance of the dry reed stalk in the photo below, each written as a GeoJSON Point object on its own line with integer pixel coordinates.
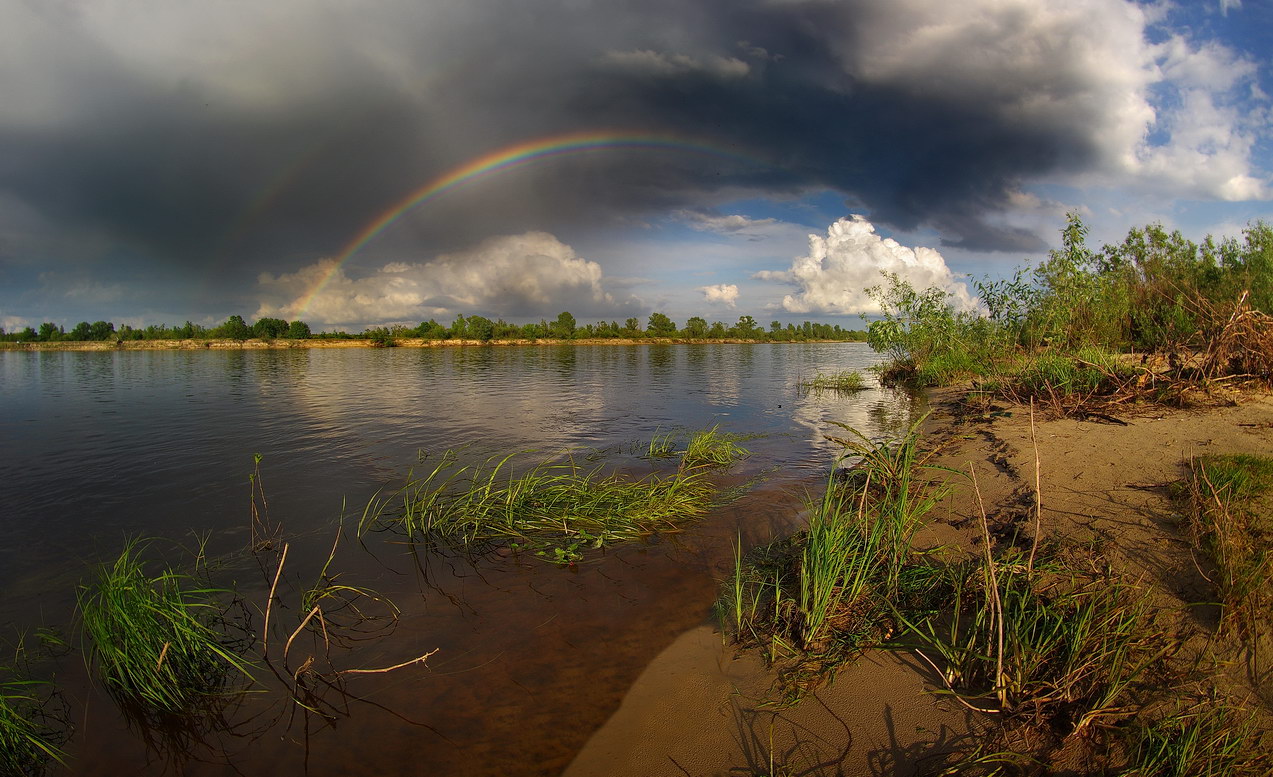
{"type": "Point", "coordinates": [419, 660]}
{"type": "Point", "coordinates": [1038, 495]}
{"type": "Point", "coordinates": [287, 647]}
{"type": "Point", "coordinates": [269, 603]}
{"type": "Point", "coordinates": [1001, 685]}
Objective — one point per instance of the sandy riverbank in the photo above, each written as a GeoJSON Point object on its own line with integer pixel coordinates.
{"type": "Point", "coordinates": [698, 708]}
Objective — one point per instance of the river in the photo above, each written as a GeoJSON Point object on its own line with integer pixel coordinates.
{"type": "Point", "coordinates": [101, 447]}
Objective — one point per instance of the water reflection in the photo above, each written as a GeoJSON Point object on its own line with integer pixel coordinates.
{"type": "Point", "coordinates": [108, 444]}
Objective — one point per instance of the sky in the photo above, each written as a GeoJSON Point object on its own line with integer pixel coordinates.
{"type": "Point", "coordinates": [392, 161]}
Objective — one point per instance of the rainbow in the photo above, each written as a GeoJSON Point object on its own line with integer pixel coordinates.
{"type": "Point", "coordinates": [501, 161]}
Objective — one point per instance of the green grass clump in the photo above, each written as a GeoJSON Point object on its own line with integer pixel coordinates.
{"type": "Point", "coordinates": [1087, 371]}
{"type": "Point", "coordinates": [846, 380]}
{"type": "Point", "coordinates": [662, 446]}
{"type": "Point", "coordinates": [1049, 644]}
{"type": "Point", "coordinates": [1208, 740]}
{"type": "Point", "coordinates": [825, 594]}
{"type": "Point", "coordinates": [27, 739]}
{"type": "Point", "coordinates": [1228, 520]}
{"type": "Point", "coordinates": [155, 640]}
{"type": "Point", "coordinates": [712, 449]}
{"type": "Point", "coordinates": [555, 509]}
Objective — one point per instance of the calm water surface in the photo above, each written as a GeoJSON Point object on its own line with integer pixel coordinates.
{"type": "Point", "coordinates": [102, 446]}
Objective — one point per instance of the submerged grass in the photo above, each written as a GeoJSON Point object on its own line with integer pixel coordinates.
{"type": "Point", "coordinates": [155, 639]}
{"type": "Point", "coordinates": [555, 509]}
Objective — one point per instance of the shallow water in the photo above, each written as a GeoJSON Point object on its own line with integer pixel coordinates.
{"type": "Point", "coordinates": [531, 657]}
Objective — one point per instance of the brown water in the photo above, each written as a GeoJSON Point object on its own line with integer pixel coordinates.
{"type": "Point", "coordinates": [531, 657]}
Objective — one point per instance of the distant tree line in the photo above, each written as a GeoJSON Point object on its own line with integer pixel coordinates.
{"type": "Point", "coordinates": [479, 328]}
{"type": "Point", "coordinates": [234, 328]}
{"type": "Point", "coordinates": [566, 327]}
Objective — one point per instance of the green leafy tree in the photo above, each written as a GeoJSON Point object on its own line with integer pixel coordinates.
{"type": "Point", "coordinates": [481, 328]}
{"type": "Point", "coordinates": [696, 327]}
{"type": "Point", "coordinates": [632, 327]}
{"type": "Point", "coordinates": [82, 331]}
{"type": "Point", "coordinates": [101, 330]}
{"type": "Point", "coordinates": [234, 328]}
{"type": "Point", "coordinates": [430, 330]}
{"type": "Point", "coordinates": [269, 328]}
{"type": "Point", "coordinates": [50, 332]}
{"type": "Point", "coordinates": [380, 337]}
{"type": "Point", "coordinates": [661, 326]}
{"type": "Point", "coordinates": [298, 330]}
{"type": "Point", "coordinates": [564, 327]}
{"type": "Point", "coordinates": [747, 329]}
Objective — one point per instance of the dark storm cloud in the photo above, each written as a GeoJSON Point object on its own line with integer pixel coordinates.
{"type": "Point", "coordinates": [242, 131]}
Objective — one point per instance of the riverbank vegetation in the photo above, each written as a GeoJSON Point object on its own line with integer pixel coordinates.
{"type": "Point", "coordinates": [1059, 657]}
{"type": "Point", "coordinates": [1152, 317]}
{"type": "Point", "coordinates": [463, 328]}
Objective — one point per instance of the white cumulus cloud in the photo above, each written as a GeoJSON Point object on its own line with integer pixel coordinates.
{"type": "Point", "coordinates": [516, 275]}
{"type": "Point", "coordinates": [840, 267]}
{"type": "Point", "coordinates": [721, 293]}
{"type": "Point", "coordinates": [731, 224]}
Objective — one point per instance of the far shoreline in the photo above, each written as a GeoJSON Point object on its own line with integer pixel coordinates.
{"type": "Point", "coordinates": [282, 344]}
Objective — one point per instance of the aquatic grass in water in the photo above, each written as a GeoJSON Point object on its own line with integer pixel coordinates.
{"type": "Point", "coordinates": [155, 641]}
{"type": "Point", "coordinates": [28, 738]}
{"type": "Point", "coordinates": [557, 510]}
{"type": "Point", "coordinates": [713, 449]}
{"type": "Point", "coordinates": [846, 381]}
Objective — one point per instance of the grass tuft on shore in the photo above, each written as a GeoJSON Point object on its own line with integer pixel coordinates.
{"type": "Point", "coordinates": [1227, 518]}
{"type": "Point", "coordinates": [1213, 738]}
{"type": "Point", "coordinates": [156, 642]}
{"type": "Point", "coordinates": [827, 593]}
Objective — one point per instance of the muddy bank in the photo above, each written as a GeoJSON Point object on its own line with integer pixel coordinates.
{"type": "Point", "coordinates": [700, 707]}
